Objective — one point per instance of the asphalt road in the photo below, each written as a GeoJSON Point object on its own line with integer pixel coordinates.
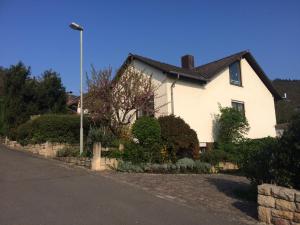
{"type": "Point", "coordinates": [37, 191]}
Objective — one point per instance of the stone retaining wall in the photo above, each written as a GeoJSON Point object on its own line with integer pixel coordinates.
{"type": "Point", "coordinates": [278, 205]}
{"type": "Point", "coordinates": [47, 149]}
{"type": "Point", "coordinates": [50, 150]}
{"type": "Point", "coordinates": [79, 161]}
{"type": "Point", "coordinates": [105, 163]}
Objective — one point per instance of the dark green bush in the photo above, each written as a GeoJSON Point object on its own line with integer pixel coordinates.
{"type": "Point", "coordinates": [286, 164]}
{"type": "Point", "coordinates": [134, 153]}
{"type": "Point", "coordinates": [258, 156]}
{"type": "Point", "coordinates": [52, 128]}
{"type": "Point", "coordinates": [181, 141]}
{"type": "Point", "coordinates": [273, 160]}
{"type": "Point", "coordinates": [147, 131]}
{"type": "Point", "coordinates": [215, 156]}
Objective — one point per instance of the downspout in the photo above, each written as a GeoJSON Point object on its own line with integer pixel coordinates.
{"type": "Point", "coordinates": [172, 95]}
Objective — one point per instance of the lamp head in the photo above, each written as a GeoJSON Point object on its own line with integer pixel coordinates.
{"type": "Point", "coordinates": [76, 26]}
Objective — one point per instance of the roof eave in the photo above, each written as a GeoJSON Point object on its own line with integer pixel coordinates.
{"type": "Point", "coordinates": [170, 72]}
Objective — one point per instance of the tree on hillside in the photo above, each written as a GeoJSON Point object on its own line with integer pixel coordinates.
{"type": "Point", "coordinates": [24, 96]}
{"type": "Point", "coordinates": [114, 101]}
{"type": "Point", "coordinates": [287, 108]}
{"type": "Point", "coordinates": [2, 85]}
{"type": "Point", "coordinates": [51, 93]}
{"type": "Point", "coordinates": [15, 96]}
{"type": "Point", "coordinates": [2, 81]}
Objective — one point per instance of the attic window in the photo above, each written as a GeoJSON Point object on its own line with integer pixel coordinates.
{"type": "Point", "coordinates": [235, 73]}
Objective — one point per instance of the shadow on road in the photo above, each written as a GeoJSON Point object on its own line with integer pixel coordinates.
{"type": "Point", "coordinates": [241, 192]}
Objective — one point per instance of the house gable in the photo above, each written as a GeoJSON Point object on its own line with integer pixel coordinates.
{"type": "Point", "coordinates": [210, 70]}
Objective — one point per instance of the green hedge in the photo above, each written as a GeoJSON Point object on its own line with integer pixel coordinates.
{"type": "Point", "coordinates": [184, 165]}
{"type": "Point", "coordinates": [147, 131]}
{"type": "Point", "coordinates": [272, 160]}
{"type": "Point", "coordinates": [52, 128]}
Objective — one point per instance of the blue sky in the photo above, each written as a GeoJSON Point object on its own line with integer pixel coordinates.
{"type": "Point", "coordinates": [37, 33]}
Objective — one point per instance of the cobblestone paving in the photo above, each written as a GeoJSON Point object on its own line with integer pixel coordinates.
{"type": "Point", "coordinates": [212, 192]}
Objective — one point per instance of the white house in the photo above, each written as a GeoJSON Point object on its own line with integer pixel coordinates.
{"type": "Point", "coordinates": [195, 93]}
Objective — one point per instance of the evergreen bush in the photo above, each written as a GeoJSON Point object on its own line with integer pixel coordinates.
{"type": "Point", "coordinates": [147, 131]}
{"type": "Point", "coordinates": [180, 140]}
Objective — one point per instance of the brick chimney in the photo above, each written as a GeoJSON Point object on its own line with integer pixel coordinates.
{"type": "Point", "coordinates": [187, 62]}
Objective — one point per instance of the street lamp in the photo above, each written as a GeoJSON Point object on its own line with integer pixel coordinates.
{"type": "Point", "coordinates": [75, 26]}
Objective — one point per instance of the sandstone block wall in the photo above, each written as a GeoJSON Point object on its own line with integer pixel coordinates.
{"type": "Point", "coordinates": [47, 149]}
{"type": "Point", "coordinates": [278, 205]}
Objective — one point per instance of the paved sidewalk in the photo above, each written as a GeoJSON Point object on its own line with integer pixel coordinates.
{"type": "Point", "coordinates": [214, 192]}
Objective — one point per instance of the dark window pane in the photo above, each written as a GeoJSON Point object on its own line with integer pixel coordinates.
{"type": "Point", "coordinates": [239, 106]}
{"type": "Point", "coordinates": [235, 73]}
{"type": "Point", "coordinates": [148, 109]}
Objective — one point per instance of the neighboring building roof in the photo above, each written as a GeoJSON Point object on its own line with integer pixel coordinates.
{"type": "Point", "coordinates": [72, 100]}
{"type": "Point", "coordinates": [206, 72]}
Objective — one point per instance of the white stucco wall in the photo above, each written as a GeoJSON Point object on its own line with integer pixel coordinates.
{"type": "Point", "coordinates": [159, 79]}
{"type": "Point", "coordinates": [198, 105]}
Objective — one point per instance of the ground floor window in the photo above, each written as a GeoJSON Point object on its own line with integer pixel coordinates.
{"type": "Point", "coordinates": [147, 110]}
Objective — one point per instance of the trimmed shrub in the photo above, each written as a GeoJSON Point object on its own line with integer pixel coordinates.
{"type": "Point", "coordinates": [202, 167]}
{"type": "Point", "coordinates": [125, 166]}
{"type": "Point", "coordinates": [185, 164]}
{"type": "Point", "coordinates": [215, 156]}
{"type": "Point", "coordinates": [147, 131]}
{"type": "Point", "coordinates": [52, 128]}
{"type": "Point", "coordinates": [181, 141]}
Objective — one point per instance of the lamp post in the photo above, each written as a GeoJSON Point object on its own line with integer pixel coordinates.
{"type": "Point", "coordinates": [75, 26]}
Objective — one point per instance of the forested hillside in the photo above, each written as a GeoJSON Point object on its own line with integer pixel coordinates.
{"type": "Point", "coordinates": [285, 109]}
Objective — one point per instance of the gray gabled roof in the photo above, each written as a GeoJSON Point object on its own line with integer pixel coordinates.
{"type": "Point", "coordinates": [206, 72]}
{"type": "Point", "coordinates": [209, 70]}
{"type": "Point", "coordinates": [169, 69]}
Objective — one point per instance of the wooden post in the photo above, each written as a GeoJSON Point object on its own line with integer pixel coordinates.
{"type": "Point", "coordinates": [96, 161]}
